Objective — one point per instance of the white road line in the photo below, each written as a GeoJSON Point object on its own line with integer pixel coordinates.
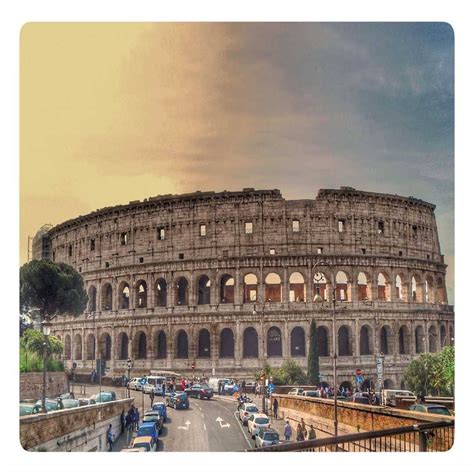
{"type": "Point", "coordinates": [241, 429]}
{"type": "Point", "coordinates": [205, 429]}
{"type": "Point", "coordinates": [200, 409]}
{"type": "Point", "coordinates": [202, 414]}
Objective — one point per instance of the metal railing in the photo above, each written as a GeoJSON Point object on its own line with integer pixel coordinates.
{"type": "Point", "coordinates": [438, 436]}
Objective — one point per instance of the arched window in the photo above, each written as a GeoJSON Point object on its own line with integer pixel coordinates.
{"type": "Point", "coordinates": [320, 287]}
{"type": "Point", "coordinates": [343, 341]}
{"type": "Point", "coordinates": [250, 343]}
{"type": "Point", "coordinates": [204, 290]}
{"type": "Point", "coordinates": [226, 343]}
{"type": "Point", "coordinates": [182, 345]}
{"type": "Point", "coordinates": [107, 297]}
{"type": "Point", "coordinates": [440, 292]}
{"type": "Point", "coordinates": [160, 345]}
{"type": "Point", "coordinates": [416, 289]}
{"type": "Point", "coordinates": [142, 294]}
{"type": "Point", "coordinates": [388, 384]}
{"type": "Point", "coordinates": [362, 287]}
{"type": "Point", "coordinates": [226, 292]}
{"type": "Point", "coordinates": [322, 338]}
{"type": "Point", "coordinates": [90, 347]}
{"type": "Point", "coordinates": [250, 288]}
{"type": "Point", "coordinates": [399, 293]}
{"type": "Point", "coordinates": [419, 340]}
{"type": "Point", "coordinates": [342, 287]}
{"type": "Point", "coordinates": [403, 340]}
{"type": "Point", "coordinates": [274, 348]}
{"type": "Point", "coordinates": [432, 339]}
{"type": "Point", "coordinates": [297, 288]}
{"type": "Point", "coordinates": [77, 347]}
{"type": "Point", "coordinates": [366, 340]}
{"type": "Point", "coordinates": [161, 293]}
{"type": "Point", "coordinates": [123, 346]}
{"type": "Point", "coordinates": [298, 348]}
{"type": "Point", "coordinates": [383, 289]}
{"type": "Point", "coordinates": [124, 295]}
{"type": "Point", "coordinates": [67, 347]}
{"type": "Point", "coordinates": [429, 290]}
{"type": "Point", "coordinates": [182, 292]}
{"type": "Point", "coordinates": [140, 351]}
{"type": "Point", "coordinates": [442, 336]}
{"type": "Point", "coordinates": [105, 346]}
{"type": "Point", "coordinates": [92, 299]}
{"type": "Point", "coordinates": [273, 288]}
{"type": "Point", "coordinates": [204, 343]}
{"type": "Point", "coordinates": [386, 340]}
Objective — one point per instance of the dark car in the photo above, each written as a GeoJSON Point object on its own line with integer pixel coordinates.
{"type": "Point", "coordinates": [178, 400]}
{"type": "Point", "coordinates": [29, 409]}
{"type": "Point", "coordinates": [430, 408]}
{"type": "Point", "coordinates": [51, 404]}
{"type": "Point", "coordinates": [153, 416]}
{"type": "Point", "coordinates": [358, 399]}
{"type": "Point", "coordinates": [161, 408]}
{"type": "Point", "coordinates": [199, 391]}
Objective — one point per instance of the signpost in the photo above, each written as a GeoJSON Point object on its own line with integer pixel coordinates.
{"type": "Point", "coordinates": [379, 370]}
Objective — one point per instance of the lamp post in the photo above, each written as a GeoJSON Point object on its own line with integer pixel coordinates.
{"type": "Point", "coordinates": [317, 277]}
{"type": "Point", "coordinates": [254, 312]}
{"type": "Point", "coordinates": [129, 368]}
{"type": "Point", "coordinates": [46, 329]}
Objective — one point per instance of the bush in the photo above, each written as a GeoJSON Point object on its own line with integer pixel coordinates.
{"type": "Point", "coordinates": [31, 362]}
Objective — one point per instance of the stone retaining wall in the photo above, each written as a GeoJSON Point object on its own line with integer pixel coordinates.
{"type": "Point", "coordinates": [31, 384]}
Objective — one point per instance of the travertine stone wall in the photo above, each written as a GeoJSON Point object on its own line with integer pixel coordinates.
{"type": "Point", "coordinates": [31, 385]}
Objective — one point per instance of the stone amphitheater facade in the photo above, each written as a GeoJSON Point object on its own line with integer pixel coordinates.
{"type": "Point", "coordinates": [230, 281]}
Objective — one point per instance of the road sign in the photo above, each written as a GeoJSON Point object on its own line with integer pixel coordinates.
{"type": "Point", "coordinates": [271, 388]}
{"type": "Point", "coordinates": [359, 379]}
{"type": "Point", "coordinates": [143, 380]}
{"type": "Point", "coordinates": [358, 371]}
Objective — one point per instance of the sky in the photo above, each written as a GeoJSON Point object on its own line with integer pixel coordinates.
{"type": "Point", "coordinates": [116, 112]}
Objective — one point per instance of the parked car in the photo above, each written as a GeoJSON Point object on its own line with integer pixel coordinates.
{"type": "Point", "coordinates": [256, 422]}
{"type": "Point", "coordinates": [161, 408]}
{"type": "Point", "coordinates": [103, 397]}
{"type": "Point", "coordinates": [86, 401]}
{"type": "Point", "coordinates": [155, 417]}
{"type": "Point", "coordinates": [430, 408]}
{"type": "Point", "coordinates": [358, 399]}
{"type": "Point", "coordinates": [66, 396]}
{"type": "Point", "coordinates": [199, 391]}
{"type": "Point", "coordinates": [148, 429]}
{"type": "Point", "coordinates": [388, 396]}
{"type": "Point", "coordinates": [145, 442]}
{"type": "Point", "coordinates": [134, 450]}
{"type": "Point", "coordinates": [311, 393]}
{"type": "Point", "coordinates": [51, 404]}
{"type": "Point", "coordinates": [246, 410]}
{"type": "Point", "coordinates": [135, 384]}
{"type": "Point", "coordinates": [70, 403]}
{"type": "Point", "coordinates": [266, 437]}
{"type": "Point", "coordinates": [178, 400]}
{"type": "Point", "coordinates": [29, 409]}
{"type": "Point", "coordinates": [154, 382]}
{"type": "Point", "coordinates": [296, 391]}
{"type": "Point", "coordinates": [214, 383]}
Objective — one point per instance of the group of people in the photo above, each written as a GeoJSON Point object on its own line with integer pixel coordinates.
{"type": "Point", "coordinates": [302, 433]}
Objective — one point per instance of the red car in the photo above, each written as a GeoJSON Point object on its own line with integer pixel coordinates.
{"type": "Point", "coordinates": [199, 391]}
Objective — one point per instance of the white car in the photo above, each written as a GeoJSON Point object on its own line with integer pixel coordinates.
{"type": "Point", "coordinates": [256, 422]}
{"type": "Point", "coordinates": [246, 410]}
{"type": "Point", "coordinates": [135, 384]}
{"type": "Point", "coordinates": [296, 391]}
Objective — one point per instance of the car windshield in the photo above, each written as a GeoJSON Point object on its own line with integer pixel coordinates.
{"type": "Point", "coordinates": [205, 387]}
{"type": "Point", "coordinates": [151, 416]}
{"type": "Point", "coordinates": [261, 421]}
{"type": "Point", "coordinates": [142, 445]}
{"type": "Point", "coordinates": [270, 436]}
{"type": "Point", "coordinates": [146, 431]}
{"type": "Point", "coordinates": [438, 410]}
{"type": "Point", "coordinates": [252, 409]}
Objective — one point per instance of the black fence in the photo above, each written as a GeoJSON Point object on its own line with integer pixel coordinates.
{"type": "Point", "coordinates": [438, 436]}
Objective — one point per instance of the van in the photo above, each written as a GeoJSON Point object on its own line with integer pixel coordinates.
{"type": "Point", "coordinates": [154, 382]}
{"type": "Point", "coordinates": [214, 383]}
{"type": "Point", "coordinates": [389, 396]}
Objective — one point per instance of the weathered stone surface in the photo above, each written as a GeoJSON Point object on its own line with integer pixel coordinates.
{"type": "Point", "coordinates": [31, 384]}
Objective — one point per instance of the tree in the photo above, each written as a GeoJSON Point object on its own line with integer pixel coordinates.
{"type": "Point", "coordinates": [290, 373]}
{"type": "Point", "coordinates": [313, 355]}
{"type": "Point", "coordinates": [51, 289]}
{"type": "Point", "coordinates": [33, 341]}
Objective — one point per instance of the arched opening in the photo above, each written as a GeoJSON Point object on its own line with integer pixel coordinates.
{"type": "Point", "coordinates": [123, 346]}
{"type": "Point", "coordinates": [182, 292]}
{"type": "Point", "coordinates": [366, 346]}
{"type": "Point", "coordinates": [274, 348]}
{"type": "Point", "coordinates": [346, 385]}
{"type": "Point", "coordinates": [160, 345]}
{"type": "Point", "coordinates": [250, 343]}
{"type": "Point", "coordinates": [320, 287]}
{"type": "Point", "coordinates": [161, 293]}
{"type": "Point", "coordinates": [386, 340]}
{"type": "Point", "coordinates": [273, 288]}
{"type": "Point", "coordinates": [399, 293]}
{"type": "Point", "coordinates": [140, 351]}
{"type": "Point", "coordinates": [204, 343]}
{"type": "Point", "coordinates": [182, 345]}
{"type": "Point", "coordinates": [142, 293]}
{"type": "Point", "coordinates": [342, 287]}
{"type": "Point", "coordinates": [226, 349]}
{"type": "Point", "coordinates": [92, 299]}
{"type": "Point", "coordinates": [403, 340]}
{"type": "Point", "coordinates": [297, 288]}
{"type": "Point", "coordinates": [383, 288]}
{"type": "Point", "coordinates": [388, 384]}
{"type": "Point", "coordinates": [442, 333]}
{"type": "Point", "coordinates": [204, 290]}
{"type": "Point", "coordinates": [107, 297]}
{"type": "Point", "coordinates": [322, 341]}
{"type": "Point", "coordinates": [297, 342]}
{"type": "Point", "coordinates": [124, 295]}
{"type": "Point", "coordinates": [416, 289]}
{"type": "Point", "coordinates": [429, 290]}
{"type": "Point", "coordinates": [344, 342]}
{"type": "Point", "coordinates": [432, 340]}
{"type": "Point", "coordinates": [105, 346]}
{"type": "Point", "coordinates": [67, 347]}
{"type": "Point", "coordinates": [366, 385]}
{"type": "Point", "coordinates": [440, 292]}
{"type": "Point", "coordinates": [250, 288]}
{"type": "Point", "coordinates": [226, 291]}
{"type": "Point", "coordinates": [419, 340]}
{"type": "Point", "coordinates": [90, 347]}
{"type": "Point", "coordinates": [77, 347]}
{"type": "Point", "coordinates": [363, 288]}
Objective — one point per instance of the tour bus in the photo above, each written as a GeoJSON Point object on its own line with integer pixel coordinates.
{"type": "Point", "coordinates": [389, 396]}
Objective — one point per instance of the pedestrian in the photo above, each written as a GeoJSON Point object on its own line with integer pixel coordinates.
{"type": "Point", "coordinates": [287, 431]}
{"type": "Point", "coordinates": [219, 387]}
{"type": "Point", "coordinates": [243, 386]}
{"type": "Point", "coordinates": [110, 437]}
{"type": "Point", "coordinates": [122, 422]}
{"type": "Point", "coordinates": [136, 418]}
{"type": "Point", "coordinates": [152, 396]}
{"type": "Point", "coordinates": [93, 376]}
{"type": "Point", "coordinates": [303, 428]}
{"type": "Point", "coordinates": [312, 433]}
{"type": "Point", "coordinates": [275, 408]}
{"type": "Point", "coordinates": [299, 433]}
{"type": "Point", "coordinates": [163, 389]}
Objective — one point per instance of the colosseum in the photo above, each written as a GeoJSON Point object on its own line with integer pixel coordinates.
{"type": "Point", "coordinates": [228, 282]}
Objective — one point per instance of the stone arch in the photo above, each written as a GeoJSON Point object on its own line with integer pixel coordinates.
{"type": "Point", "coordinates": [139, 345]}
{"type": "Point", "coordinates": [106, 297]}
{"type": "Point", "coordinates": [273, 287]}
{"type": "Point", "coordinates": [204, 343]}
{"type": "Point", "coordinates": [342, 286]}
{"type": "Point", "coordinates": [226, 348]}
{"type": "Point", "coordinates": [388, 384]}
{"type": "Point", "coordinates": [250, 288]}
{"type": "Point", "coordinates": [274, 345]}
{"type": "Point", "coordinates": [383, 287]}
{"type": "Point", "coordinates": [386, 340]}
{"type": "Point", "coordinates": [161, 293]}
{"type": "Point", "coordinates": [419, 340]}
{"type": "Point", "coordinates": [366, 385]}
{"type": "Point", "coordinates": [429, 290]}
{"type": "Point", "coordinates": [416, 289]}
{"type": "Point", "coordinates": [204, 290]}
{"type": "Point", "coordinates": [297, 288]}
{"type": "Point", "coordinates": [366, 340]}
{"type": "Point", "coordinates": [347, 385]}
{"type": "Point", "coordinates": [77, 347]}
{"type": "Point", "coordinates": [297, 342]}
{"type": "Point", "coordinates": [124, 295]}
{"type": "Point", "coordinates": [322, 341]}
{"type": "Point", "coordinates": [440, 291]}
{"type": "Point", "coordinates": [364, 288]}
{"type": "Point", "coordinates": [403, 340]}
{"type": "Point", "coordinates": [160, 349]}
{"type": "Point", "coordinates": [320, 287]}
{"type": "Point", "coordinates": [92, 293]}
{"type": "Point", "coordinates": [122, 353]}
{"type": "Point", "coordinates": [226, 289]}
{"type": "Point", "coordinates": [344, 345]}
{"type": "Point", "coordinates": [442, 336]}
{"type": "Point", "coordinates": [182, 292]}
{"type": "Point", "coordinates": [141, 292]}
{"type": "Point", "coordinates": [67, 347]}
{"type": "Point", "coordinates": [432, 339]}
{"type": "Point", "coordinates": [90, 347]}
{"type": "Point", "coordinates": [250, 343]}
{"type": "Point", "coordinates": [105, 346]}
{"type": "Point", "coordinates": [182, 346]}
{"type": "Point", "coordinates": [400, 289]}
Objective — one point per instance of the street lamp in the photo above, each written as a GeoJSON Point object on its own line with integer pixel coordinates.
{"type": "Point", "coordinates": [129, 367]}
{"type": "Point", "coordinates": [46, 329]}
{"type": "Point", "coordinates": [254, 312]}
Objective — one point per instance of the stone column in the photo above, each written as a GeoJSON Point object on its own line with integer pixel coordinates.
{"type": "Point", "coordinates": [171, 289]}
{"type": "Point", "coordinates": [285, 286]}
{"type": "Point", "coordinates": [356, 338]}
{"type": "Point", "coordinates": [286, 341]}
{"type": "Point", "coordinates": [237, 344]}
{"type": "Point", "coordinates": [150, 291]}
{"type": "Point", "coordinates": [309, 285]}
{"type": "Point", "coordinates": [238, 287]}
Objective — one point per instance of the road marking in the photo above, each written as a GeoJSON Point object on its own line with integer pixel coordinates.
{"type": "Point", "coordinates": [242, 429]}
{"type": "Point", "coordinates": [202, 415]}
{"type": "Point", "coordinates": [185, 428]}
{"type": "Point", "coordinates": [200, 409]}
{"type": "Point", "coordinates": [205, 429]}
{"type": "Point", "coordinates": [220, 420]}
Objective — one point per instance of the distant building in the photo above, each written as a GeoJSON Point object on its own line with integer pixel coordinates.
{"type": "Point", "coordinates": [41, 247]}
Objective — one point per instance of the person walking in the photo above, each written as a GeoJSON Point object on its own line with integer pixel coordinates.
{"type": "Point", "coordinates": [287, 431]}
{"type": "Point", "coordinates": [312, 433]}
{"type": "Point", "coordinates": [303, 428]}
{"type": "Point", "coordinates": [122, 422]}
{"type": "Point", "coordinates": [152, 396]}
{"type": "Point", "coordinates": [299, 433]}
{"type": "Point", "coordinates": [219, 387]}
{"type": "Point", "coordinates": [275, 408]}
{"type": "Point", "coordinates": [163, 389]}
{"type": "Point", "coordinates": [110, 437]}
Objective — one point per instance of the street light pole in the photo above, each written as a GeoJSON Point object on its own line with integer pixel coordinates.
{"type": "Point", "coordinates": [263, 353]}
{"type": "Point", "coordinates": [46, 329]}
{"type": "Point", "coordinates": [129, 367]}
